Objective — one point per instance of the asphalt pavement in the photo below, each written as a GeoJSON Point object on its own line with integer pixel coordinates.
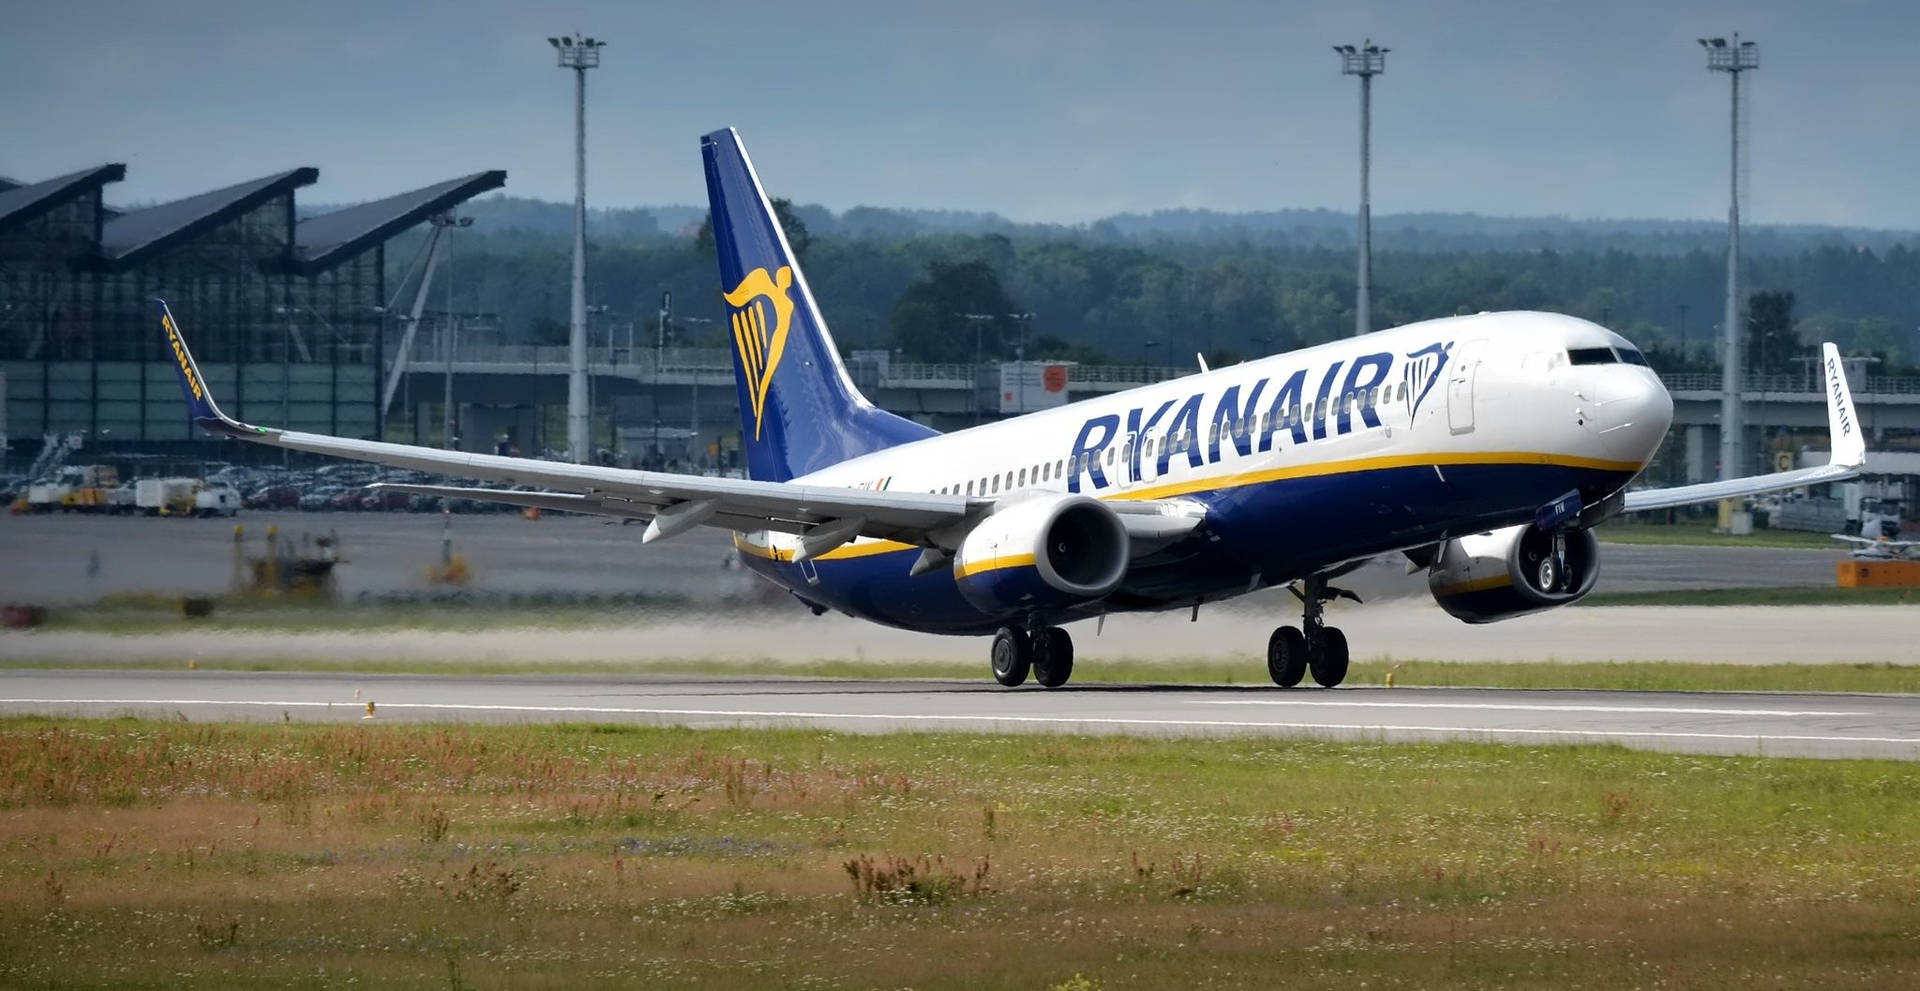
{"type": "Point", "coordinates": [62, 558]}
{"type": "Point", "coordinates": [1816, 725]}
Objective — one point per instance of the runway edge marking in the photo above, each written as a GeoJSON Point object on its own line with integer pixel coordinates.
{"type": "Point", "coordinates": [1590, 734]}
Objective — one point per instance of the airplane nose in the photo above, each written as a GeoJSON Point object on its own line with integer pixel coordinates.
{"type": "Point", "coordinates": [1630, 413]}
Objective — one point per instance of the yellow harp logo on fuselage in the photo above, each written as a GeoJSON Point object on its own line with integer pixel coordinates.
{"type": "Point", "coordinates": [762, 312]}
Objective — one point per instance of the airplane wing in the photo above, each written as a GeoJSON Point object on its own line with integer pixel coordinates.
{"type": "Point", "coordinates": [1848, 447]}
{"type": "Point", "coordinates": [827, 516]}
{"type": "Point", "coordinates": [1847, 539]}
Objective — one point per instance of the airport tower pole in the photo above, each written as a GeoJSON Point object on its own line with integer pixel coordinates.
{"type": "Point", "coordinates": [578, 54]}
{"type": "Point", "coordinates": [1366, 61]}
{"type": "Point", "coordinates": [1732, 59]}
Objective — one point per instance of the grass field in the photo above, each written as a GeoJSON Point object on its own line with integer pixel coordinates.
{"type": "Point", "coordinates": [1806, 595]}
{"type": "Point", "coordinates": [1625, 675]}
{"type": "Point", "coordinates": [146, 854]}
{"type": "Point", "coordinates": [1700, 533]}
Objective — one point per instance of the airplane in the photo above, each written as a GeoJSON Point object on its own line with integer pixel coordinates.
{"type": "Point", "coordinates": [1484, 448]}
{"type": "Point", "coordinates": [1880, 548]}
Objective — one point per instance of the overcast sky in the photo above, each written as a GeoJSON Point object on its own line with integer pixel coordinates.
{"type": "Point", "coordinates": [1038, 111]}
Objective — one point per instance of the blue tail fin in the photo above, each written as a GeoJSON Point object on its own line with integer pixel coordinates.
{"type": "Point", "coordinates": [798, 410]}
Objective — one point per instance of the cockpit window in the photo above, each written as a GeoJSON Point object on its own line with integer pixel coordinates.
{"type": "Point", "coordinates": [1632, 357]}
{"type": "Point", "coordinates": [1592, 356]}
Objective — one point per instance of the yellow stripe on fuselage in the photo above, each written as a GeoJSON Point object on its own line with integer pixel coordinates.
{"type": "Point", "coordinates": [1244, 479]}
{"type": "Point", "coordinates": [1354, 465]}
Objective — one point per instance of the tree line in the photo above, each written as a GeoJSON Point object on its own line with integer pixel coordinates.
{"type": "Point", "coordinates": [1071, 293]}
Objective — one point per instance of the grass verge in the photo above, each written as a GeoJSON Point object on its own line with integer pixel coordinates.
{"type": "Point", "coordinates": [1701, 534]}
{"type": "Point", "coordinates": [154, 854]}
{"type": "Point", "coordinates": [1799, 595]}
{"type": "Point", "coordinates": [1648, 676]}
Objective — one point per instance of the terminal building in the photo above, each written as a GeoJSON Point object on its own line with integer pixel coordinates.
{"type": "Point", "coordinates": [287, 313]}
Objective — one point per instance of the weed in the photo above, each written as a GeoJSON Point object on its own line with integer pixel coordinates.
{"type": "Point", "coordinates": [487, 882]}
{"type": "Point", "coordinates": [914, 881]}
{"type": "Point", "coordinates": [434, 824]}
{"type": "Point", "coordinates": [216, 935]}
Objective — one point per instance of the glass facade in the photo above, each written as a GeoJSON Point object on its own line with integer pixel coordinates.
{"type": "Point", "coordinates": [82, 351]}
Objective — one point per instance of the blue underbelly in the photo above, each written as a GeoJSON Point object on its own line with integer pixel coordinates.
{"type": "Point", "coordinates": [1256, 535]}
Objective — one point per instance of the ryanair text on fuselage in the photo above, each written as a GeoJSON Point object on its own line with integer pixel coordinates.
{"type": "Point", "coordinates": [1245, 423]}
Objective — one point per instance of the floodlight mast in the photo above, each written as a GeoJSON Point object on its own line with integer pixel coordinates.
{"type": "Point", "coordinates": [1732, 59]}
{"type": "Point", "coordinates": [578, 54]}
{"type": "Point", "coordinates": [1366, 61]}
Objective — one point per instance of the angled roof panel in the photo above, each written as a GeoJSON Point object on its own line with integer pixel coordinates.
{"type": "Point", "coordinates": [327, 240]}
{"type": "Point", "coordinates": [138, 233]}
{"type": "Point", "coordinates": [22, 203]}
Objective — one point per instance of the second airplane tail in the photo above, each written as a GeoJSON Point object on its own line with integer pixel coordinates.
{"type": "Point", "coordinates": [799, 412]}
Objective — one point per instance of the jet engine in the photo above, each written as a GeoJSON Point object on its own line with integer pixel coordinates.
{"type": "Point", "coordinates": [1048, 552]}
{"type": "Point", "coordinates": [1497, 575]}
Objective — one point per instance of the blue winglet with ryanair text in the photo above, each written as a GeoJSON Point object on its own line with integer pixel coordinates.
{"type": "Point", "coordinates": [200, 405]}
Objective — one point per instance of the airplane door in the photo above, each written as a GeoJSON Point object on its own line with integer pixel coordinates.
{"type": "Point", "coordinates": [1460, 386]}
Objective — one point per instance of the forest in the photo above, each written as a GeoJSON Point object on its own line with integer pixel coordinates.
{"type": "Point", "coordinates": [1157, 288]}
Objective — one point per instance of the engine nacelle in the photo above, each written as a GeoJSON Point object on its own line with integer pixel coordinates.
{"type": "Point", "coordinates": [1488, 577]}
{"type": "Point", "coordinates": [1045, 553]}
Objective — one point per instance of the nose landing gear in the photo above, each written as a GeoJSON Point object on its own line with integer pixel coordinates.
{"type": "Point", "coordinates": [1317, 648]}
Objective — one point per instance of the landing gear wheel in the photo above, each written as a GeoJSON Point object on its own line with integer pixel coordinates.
{"type": "Point", "coordinates": [1052, 657]}
{"type": "Point", "coordinates": [1327, 656]}
{"type": "Point", "coordinates": [1547, 575]}
{"type": "Point", "coordinates": [1287, 656]}
{"type": "Point", "coordinates": [1012, 657]}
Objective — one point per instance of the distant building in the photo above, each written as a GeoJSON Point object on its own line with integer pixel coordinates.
{"type": "Point", "coordinates": [285, 314]}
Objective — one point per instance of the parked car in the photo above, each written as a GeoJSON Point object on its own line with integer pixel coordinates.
{"type": "Point", "coordinates": [319, 498]}
{"type": "Point", "coordinates": [274, 497]}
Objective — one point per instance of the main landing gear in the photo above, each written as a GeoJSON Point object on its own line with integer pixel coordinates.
{"type": "Point", "coordinates": [1044, 651]}
{"type": "Point", "coordinates": [1321, 649]}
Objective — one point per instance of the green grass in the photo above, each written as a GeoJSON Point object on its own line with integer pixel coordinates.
{"type": "Point", "coordinates": [150, 854]}
{"type": "Point", "coordinates": [1700, 533]}
{"type": "Point", "coordinates": [164, 616]}
{"type": "Point", "coordinates": [1665, 676]}
{"type": "Point", "coordinates": [1800, 595]}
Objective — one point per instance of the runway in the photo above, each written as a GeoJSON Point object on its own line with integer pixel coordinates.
{"type": "Point", "coordinates": [1761, 724]}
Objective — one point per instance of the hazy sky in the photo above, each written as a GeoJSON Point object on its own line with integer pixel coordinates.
{"type": "Point", "coordinates": [1039, 111]}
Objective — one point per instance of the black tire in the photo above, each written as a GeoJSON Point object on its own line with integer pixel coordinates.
{"type": "Point", "coordinates": [1012, 657]}
{"type": "Point", "coordinates": [1328, 657]}
{"type": "Point", "coordinates": [1053, 657]}
{"type": "Point", "coordinates": [1287, 656]}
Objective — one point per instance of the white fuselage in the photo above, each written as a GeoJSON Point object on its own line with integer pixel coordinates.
{"type": "Point", "coordinates": [1506, 388]}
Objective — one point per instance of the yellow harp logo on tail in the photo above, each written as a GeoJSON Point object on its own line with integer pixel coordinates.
{"type": "Point", "coordinates": [762, 312]}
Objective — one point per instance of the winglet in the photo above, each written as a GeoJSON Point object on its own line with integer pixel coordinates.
{"type": "Point", "coordinates": [193, 385]}
{"type": "Point", "coordinates": [1843, 424]}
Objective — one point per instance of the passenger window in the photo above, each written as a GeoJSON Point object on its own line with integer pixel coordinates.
{"type": "Point", "coordinates": [1023, 478]}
